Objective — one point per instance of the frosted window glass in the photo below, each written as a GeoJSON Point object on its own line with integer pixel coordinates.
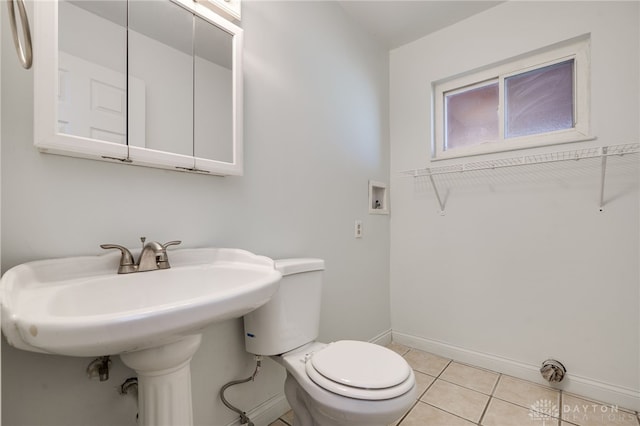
{"type": "Point", "coordinates": [471, 117]}
{"type": "Point", "coordinates": [539, 101]}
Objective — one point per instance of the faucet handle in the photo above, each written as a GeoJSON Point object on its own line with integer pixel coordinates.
{"type": "Point", "coordinates": [171, 243]}
{"type": "Point", "coordinates": [127, 264]}
{"type": "Point", "coordinates": [162, 259]}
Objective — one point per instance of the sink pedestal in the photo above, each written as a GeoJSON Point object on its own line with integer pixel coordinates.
{"type": "Point", "coordinates": [164, 382]}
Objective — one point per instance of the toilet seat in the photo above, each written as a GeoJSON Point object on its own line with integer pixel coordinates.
{"type": "Point", "coordinates": [360, 370]}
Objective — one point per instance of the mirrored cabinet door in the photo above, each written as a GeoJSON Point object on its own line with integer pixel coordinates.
{"type": "Point", "coordinates": [213, 91]}
{"type": "Point", "coordinates": [218, 98]}
{"type": "Point", "coordinates": [80, 62]}
{"type": "Point", "coordinates": [92, 69]}
{"type": "Point", "coordinates": [161, 81]}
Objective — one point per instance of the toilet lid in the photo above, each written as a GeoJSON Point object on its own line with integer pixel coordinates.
{"type": "Point", "coordinates": [360, 370]}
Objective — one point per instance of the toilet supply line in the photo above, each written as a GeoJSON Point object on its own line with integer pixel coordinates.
{"type": "Point", "coordinates": [244, 419]}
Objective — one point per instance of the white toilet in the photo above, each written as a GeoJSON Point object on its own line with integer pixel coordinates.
{"type": "Point", "coordinates": [340, 383]}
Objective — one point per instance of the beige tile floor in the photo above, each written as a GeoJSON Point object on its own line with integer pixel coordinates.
{"type": "Point", "coordinates": [452, 394]}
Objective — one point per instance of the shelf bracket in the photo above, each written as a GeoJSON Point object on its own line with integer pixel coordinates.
{"type": "Point", "coordinates": [603, 173]}
{"type": "Point", "coordinates": [435, 190]}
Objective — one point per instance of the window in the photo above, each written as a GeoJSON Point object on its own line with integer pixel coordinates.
{"type": "Point", "coordinates": [541, 98]}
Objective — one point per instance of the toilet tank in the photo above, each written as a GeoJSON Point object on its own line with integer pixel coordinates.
{"type": "Point", "coordinates": [292, 317]}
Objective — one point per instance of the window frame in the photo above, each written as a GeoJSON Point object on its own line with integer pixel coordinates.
{"type": "Point", "coordinates": [577, 49]}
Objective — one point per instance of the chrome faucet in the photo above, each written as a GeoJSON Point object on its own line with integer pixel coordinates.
{"type": "Point", "coordinates": [153, 256]}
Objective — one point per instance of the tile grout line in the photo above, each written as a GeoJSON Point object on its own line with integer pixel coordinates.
{"type": "Point", "coordinates": [438, 377]}
{"type": "Point", "coordinates": [512, 403]}
{"type": "Point", "coordinates": [560, 408]}
{"type": "Point", "coordinates": [428, 387]}
{"type": "Point", "coordinates": [455, 384]}
{"type": "Point", "coordinates": [284, 421]}
{"type": "Point", "coordinates": [517, 403]}
{"type": "Point", "coordinates": [445, 367]}
{"type": "Point", "coordinates": [486, 407]}
{"type": "Point", "coordinates": [465, 387]}
{"type": "Point", "coordinates": [418, 400]}
{"type": "Point", "coordinates": [404, 416]}
{"type": "Point", "coordinates": [448, 412]}
{"type": "Point", "coordinates": [495, 385]}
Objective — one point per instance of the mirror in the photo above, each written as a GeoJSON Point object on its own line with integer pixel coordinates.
{"type": "Point", "coordinates": [155, 83]}
{"type": "Point", "coordinates": [161, 60]}
{"type": "Point", "coordinates": [213, 121]}
{"type": "Point", "coordinates": [92, 69]}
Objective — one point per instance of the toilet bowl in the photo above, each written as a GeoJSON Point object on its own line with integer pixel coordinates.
{"type": "Point", "coordinates": [341, 383]}
{"type": "Point", "coordinates": [317, 399]}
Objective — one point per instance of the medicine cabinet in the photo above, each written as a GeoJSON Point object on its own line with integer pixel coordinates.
{"type": "Point", "coordinates": [150, 83]}
{"type": "Point", "coordinates": [230, 9]}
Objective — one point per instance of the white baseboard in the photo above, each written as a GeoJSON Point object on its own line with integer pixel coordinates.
{"type": "Point", "coordinates": [267, 412]}
{"type": "Point", "coordinates": [383, 338]}
{"type": "Point", "coordinates": [584, 386]}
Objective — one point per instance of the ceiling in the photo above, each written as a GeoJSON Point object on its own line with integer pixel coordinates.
{"type": "Point", "coordinates": [397, 22]}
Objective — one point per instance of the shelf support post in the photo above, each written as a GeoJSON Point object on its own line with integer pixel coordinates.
{"type": "Point", "coordinates": [602, 176]}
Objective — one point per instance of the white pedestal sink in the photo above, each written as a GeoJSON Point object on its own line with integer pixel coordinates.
{"type": "Point", "coordinates": [80, 307]}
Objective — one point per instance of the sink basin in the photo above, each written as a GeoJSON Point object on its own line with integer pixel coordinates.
{"type": "Point", "coordinates": [80, 306]}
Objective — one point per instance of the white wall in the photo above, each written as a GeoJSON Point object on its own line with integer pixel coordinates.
{"type": "Point", "coordinates": [523, 265]}
{"type": "Point", "coordinates": [316, 130]}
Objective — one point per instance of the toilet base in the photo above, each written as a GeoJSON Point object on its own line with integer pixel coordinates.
{"type": "Point", "coordinates": [310, 412]}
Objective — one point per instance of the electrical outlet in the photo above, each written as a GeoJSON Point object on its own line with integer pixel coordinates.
{"type": "Point", "coordinates": [358, 229]}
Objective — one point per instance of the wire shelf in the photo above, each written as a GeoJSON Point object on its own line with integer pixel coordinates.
{"type": "Point", "coordinates": [477, 169]}
{"type": "Point", "coordinates": [550, 157]}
